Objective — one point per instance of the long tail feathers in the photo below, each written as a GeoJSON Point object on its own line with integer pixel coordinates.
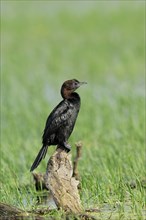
{"type": "Point", "coordinates": [41, 155]}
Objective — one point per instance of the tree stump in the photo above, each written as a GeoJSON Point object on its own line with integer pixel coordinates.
{"type": "Point", "coordinates": [61, 183]}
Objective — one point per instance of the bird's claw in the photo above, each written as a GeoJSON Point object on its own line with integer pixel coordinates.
{"type": "Point", "coordinates": [67, 147]}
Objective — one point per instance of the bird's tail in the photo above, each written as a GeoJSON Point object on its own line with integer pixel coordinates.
{"type": "Point", "coordinates": [40, 156]}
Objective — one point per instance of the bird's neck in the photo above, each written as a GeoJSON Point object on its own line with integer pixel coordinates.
{"type": "Point", "coordinates": [66, 94]}
{"type": "Point", "coordinates": [74, 99]}
{"type": "Point", "coordinates": [74, 96]}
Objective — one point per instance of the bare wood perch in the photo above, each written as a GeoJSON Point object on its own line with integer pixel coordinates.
{"type": "Point", "coordinates": [60, 181]}
{"type": "Point", "coordinates": [76, 160]}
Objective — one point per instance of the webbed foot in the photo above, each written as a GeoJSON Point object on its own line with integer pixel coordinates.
{"type": "Point", "coordinates": [67, 147]}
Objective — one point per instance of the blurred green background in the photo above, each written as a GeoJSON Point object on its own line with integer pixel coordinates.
{"type": "Point", "coordinates": [44, 43]}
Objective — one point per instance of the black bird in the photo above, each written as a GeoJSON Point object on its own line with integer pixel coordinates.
{"type": "Point", "coordinates": [61, 121]}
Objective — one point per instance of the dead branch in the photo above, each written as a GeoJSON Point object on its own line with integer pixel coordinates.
{"type": "Point", "coordinates": [11, 212]}
{"type": "Point", "coordinates": [76, 160]}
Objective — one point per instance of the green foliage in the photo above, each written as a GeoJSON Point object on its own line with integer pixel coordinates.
{"type": "Point", "coordinates": [45, 43]}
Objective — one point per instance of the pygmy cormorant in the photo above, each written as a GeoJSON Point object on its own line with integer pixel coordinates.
{"type": "Point", "coordinates": [61, 121]}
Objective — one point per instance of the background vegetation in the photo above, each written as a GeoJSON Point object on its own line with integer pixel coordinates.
{"type": "Point", "coordinates": [44, 43]}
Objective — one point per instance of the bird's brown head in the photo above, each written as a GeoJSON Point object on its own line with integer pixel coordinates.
{"type": "Point", "coordinates": [69, 87]}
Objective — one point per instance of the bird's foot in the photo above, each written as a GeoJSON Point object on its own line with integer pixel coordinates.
{"type": "Point", "coordinates": [64, 146]}
{"type": "Point", "coordinates": [67, 147]}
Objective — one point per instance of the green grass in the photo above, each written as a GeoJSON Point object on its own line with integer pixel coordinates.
{"type": "Point", "coordinates": [44, 43]}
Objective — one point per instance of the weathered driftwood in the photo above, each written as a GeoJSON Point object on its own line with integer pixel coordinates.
{"type": "Point", "coordinates": [13, 213]}
{"type": "Point", "coordinates": [60, 181]}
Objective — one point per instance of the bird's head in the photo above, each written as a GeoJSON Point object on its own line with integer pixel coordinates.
{"type": "Point", "coordinates": [70, 86]}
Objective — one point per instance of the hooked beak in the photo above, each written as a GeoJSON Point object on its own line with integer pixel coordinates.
{"type": "Point", "coordinates": [82, 83]}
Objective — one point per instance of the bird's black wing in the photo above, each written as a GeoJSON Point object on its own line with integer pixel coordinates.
{"type": "Point", "coordinates": [58, 117]}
